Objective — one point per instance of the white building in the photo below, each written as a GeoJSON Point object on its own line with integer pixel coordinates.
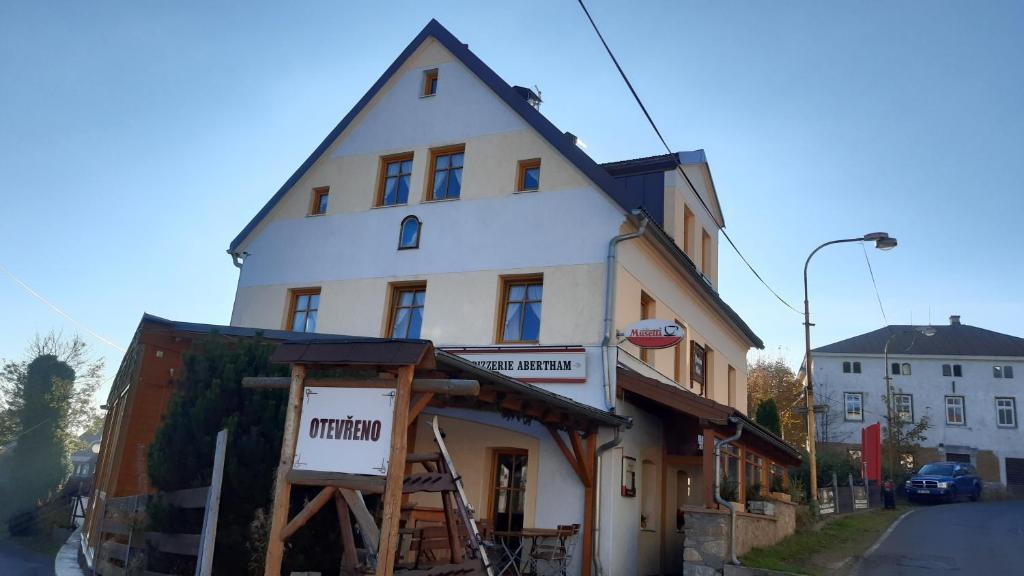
{"type": "Point", "coordinates": [445, 206]}
{"type": "Point", "coordinates": [966, 380]}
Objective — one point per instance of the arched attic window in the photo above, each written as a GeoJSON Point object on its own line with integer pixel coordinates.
{"type": "Point", "coordinates": [409, 233]}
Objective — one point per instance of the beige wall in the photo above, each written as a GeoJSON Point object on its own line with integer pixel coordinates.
{"type": "Point", "coordinates": [642, 270]}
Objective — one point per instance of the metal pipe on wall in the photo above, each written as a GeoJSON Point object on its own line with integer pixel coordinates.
{"type": "Point", "coordinates": [718, 486]}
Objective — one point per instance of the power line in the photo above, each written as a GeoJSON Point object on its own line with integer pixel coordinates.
{"type": "Point", "coordinates": [57, 309]}
{"type": "Point", "coordinates": [679, 165]}
{"type": "Point", "coordinates": [873, 283]}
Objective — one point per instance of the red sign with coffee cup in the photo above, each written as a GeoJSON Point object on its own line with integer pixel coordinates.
{"type": "Point", "coordinates": [654, 333]}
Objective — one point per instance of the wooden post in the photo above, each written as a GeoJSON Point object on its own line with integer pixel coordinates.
{"type": "Point", "coordinates": [589, 501]}
{"type": "Point", "coordinates": [396, 471]}
{"type": "Point", "coordinates": [349, 560]}
{"type": "Point", "coordinates": [282, 488]}
{"type": "Point", "coordinates": [204, 564]}
{"type": "Point", "coordinates": [708, 466]}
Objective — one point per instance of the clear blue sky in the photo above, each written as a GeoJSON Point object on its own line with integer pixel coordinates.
{"type": "Point", "coordinates": [137, 138]}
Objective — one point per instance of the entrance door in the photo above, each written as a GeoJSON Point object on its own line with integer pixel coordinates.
{"type": "Point", "coordinates": [508, 489]}
{"type": "Point", "coordinates": [1015, 475]}
{"type": "Point", "coordinates": [649, 544]}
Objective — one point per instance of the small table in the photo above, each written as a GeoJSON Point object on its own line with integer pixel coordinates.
{"type": "Point", "coordinates": [512, 546]}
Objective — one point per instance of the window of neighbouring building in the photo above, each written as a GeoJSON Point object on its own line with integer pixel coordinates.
{"type": "Point", "coordinates": [407, 302]}
{"type": "Point", "coordinates": [854, 406]}
{"type": "Point", "coordinates": [409, 233]}
{"type": "Point", "coordinates": [303, 306]}
{"type": "Point", "coordinates": [856, 367]}
{"type": "Point", "coordinates": [958, 457]}
{"type": "Point", "coordinates": [846, 367]}
{"type": "Point", "coordinates": [1007, 371]}
{"type": "Point", "coordinates": [396, 173]}
{"type": "Point", "coordinates": [955, 410]}
{"type": "Point", "coordinates": [445, 181]}
{"type": "Point", "coordinates": [957, 370]}
{"type": "Point", "coordinates": [905, 369]}
{"type": "Point", "coordinates": [521, 309]}
{"type": "Point", "coordinates": [904, 405]}
{"type": "Point", "coordinates": [508, 489]}
{"type": "Point", "coordinates": [895, 369]}
{"type": "Point", "coordinates": [528, 175]}
{"type": "Point", "coordinates": [947, 370]}
{"type": "Point", "coordinates": [318, 206]}
{"type": "Point", "coordinates": [429, 82]}
{"type": "Point", "coordinates": [997, 371]}
{"type": "Point", "coordinates": [1006, 412]}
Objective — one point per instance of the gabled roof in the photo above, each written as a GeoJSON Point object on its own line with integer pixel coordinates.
{"type": "Point", "coordinates": [951, 340]}
{"type": "Point", "coordinates": [502, 89]}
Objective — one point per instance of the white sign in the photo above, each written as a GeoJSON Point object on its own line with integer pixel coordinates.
{"type": "Point", "coordinates": [345, 430]}
{"type": "Point", "coordinates": [654, 333]}
{"type": "Point", "coordinates": [547, 365]}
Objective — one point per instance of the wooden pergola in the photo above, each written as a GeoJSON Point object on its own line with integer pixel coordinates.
{"type": "Point", "coordinates": [421, 376]}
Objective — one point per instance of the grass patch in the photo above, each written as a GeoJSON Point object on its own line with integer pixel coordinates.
{"type": "Point", "coordinates": [821, 549]}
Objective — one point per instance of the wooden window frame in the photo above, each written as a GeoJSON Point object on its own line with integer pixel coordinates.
{"type": "Point", "coordinates": [648, 310]}
{"type": "Point", "coordinates": [318, 193]}
{"type": "Point", "coordinates": [507, 282]}
{"type": "Point", "coordinates": [293, 299]}
{"type": "Point", "coordinates": [394, 290]}
{"type": "Point", "coordinates": [428, 195]}
{"type": "Point", "coordinates": [688, 224]}
{"type": "Point", "coordinates": [382, 177]}
{"type": "Point", "coordinates": [492, 486]}
{"type": "Point", "coordinates": [430, 83]}
{"type": "Point", "coordinates": [525, 165]}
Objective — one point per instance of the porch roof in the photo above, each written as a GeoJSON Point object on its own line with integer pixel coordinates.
{"type": "Point", "coordinates": [497, 391]}
{"type": "Point", "coordinates": [717, 415]}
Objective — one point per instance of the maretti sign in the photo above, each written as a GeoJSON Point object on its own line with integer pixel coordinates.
{"type": "Point", "coordinates": [345, 430]}
{"type": "Point", "coordinates": [534, 365]}
{"type": "Point", "coordinates": [654, 333]}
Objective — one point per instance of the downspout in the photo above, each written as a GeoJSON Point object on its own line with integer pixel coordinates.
{"type": "Point", "coordinates": [609, 303]}
{"type": "Point", "coordinates": [718, 486]}
{"type": "Point", "coordinates": [597, 496]}
{"type": "Point", "coordinates": [236, 259]}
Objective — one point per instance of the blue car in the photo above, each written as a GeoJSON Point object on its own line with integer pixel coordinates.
{"type": "Point", "coordinates": [944, 481]}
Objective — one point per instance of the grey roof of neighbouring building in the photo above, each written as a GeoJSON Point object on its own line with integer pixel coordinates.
{"type": "Point", "coordinates": [951, 340]}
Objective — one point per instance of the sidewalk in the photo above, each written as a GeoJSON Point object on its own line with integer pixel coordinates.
{"type": "Point", "coordinates": [66, 561]}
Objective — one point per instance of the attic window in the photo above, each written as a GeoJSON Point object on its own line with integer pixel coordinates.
{"type": "Point", "coordinates": [429, 82]}
{"type": "Point", "coordinates": [529, 175]}
{"type": "Point", "coordinates": [319, 205]}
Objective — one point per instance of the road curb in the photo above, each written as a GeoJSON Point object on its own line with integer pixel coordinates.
{"type": "Point", "coordinates": [871, 550]}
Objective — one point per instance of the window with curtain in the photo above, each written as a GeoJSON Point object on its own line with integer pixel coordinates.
{"type": "Point", "coordinates": [955, 410]}
{"type": "Point", "coordinates": [446, 173]}
{"type": "Point", "coordinates": [521, 309]}
{"type": "Point", "coordinates": [407, 310]}
{"type": "Point", "coordinates": [396, 173]}
{"type": "Point", "coordinates": [303, 309]}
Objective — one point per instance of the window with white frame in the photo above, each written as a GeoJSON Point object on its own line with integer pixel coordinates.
{"type": "Point", "coordinates": [1002, 371]}
{"type": "Point", "coordinates": [854, 406]}
{"type": "Point", "coordinates": [955, 410]}
{"type": "Point", "coordinates": [905, 369]}
{"type": "Point", "coordinates": [1006, 412]}
{"type": "Point", "coordinates": [904, 406]}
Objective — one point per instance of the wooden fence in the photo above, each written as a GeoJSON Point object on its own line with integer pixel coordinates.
{"type": "Point", "coordinates": [124, 542]}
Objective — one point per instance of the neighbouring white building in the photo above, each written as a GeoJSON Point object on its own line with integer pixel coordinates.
{"type": "Point", "coordinates": [446, 207]}
{"type": "Point", "coordinates": [966, 380]}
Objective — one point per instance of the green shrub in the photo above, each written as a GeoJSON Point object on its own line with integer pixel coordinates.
{"type": "Point", "coordinates": [729, 490]}
{"type": "Point", "coordinates": [754, 492]}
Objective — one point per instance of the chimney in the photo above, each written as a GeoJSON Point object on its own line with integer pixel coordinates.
{"type": "Point", "coordinates": [954, 320]}
{"type": "Point", "coordinates": [532, 98]}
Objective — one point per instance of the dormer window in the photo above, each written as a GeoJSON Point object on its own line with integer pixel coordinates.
{"type": "Point", "coordinates": [409, 233]}
{"type": "Point", "coordinates": [429, 82]}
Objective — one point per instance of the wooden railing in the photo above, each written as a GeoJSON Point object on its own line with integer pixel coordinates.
{"type": "Point", "coordinates": [124, 542]}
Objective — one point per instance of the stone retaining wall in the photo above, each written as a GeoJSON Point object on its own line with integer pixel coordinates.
{"type": "Point", "coordinates": [706, 547]}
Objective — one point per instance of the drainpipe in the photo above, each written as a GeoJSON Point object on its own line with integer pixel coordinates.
{"type": "Point", "coordinates": [236, 259]}
{"type": "Point", "coordinates": [597, 496]}
{"type": "Point", "coordinates": [718, 485]}
{"type": "Point", "coordinates": [609, 303]}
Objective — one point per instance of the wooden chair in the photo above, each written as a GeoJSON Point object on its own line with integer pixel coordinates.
{"type": "Point", "coordinates": [552, 556]}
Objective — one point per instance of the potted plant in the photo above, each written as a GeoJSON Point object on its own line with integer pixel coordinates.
{"type": "Point", "coordinates": [778, 488]}
{"type": "Point", "coordinates": [756, 502]}
{"type": "Point", "coordinates": [729, 490]}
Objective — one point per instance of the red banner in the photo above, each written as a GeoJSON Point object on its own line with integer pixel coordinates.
{"type": "Point", "coordinates": [871, 452]}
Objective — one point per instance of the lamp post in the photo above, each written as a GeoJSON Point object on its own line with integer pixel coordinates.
{"type": "Point", "coordinates": [890, 397]}
{"type": "Point", "coordinates": [883, 242]}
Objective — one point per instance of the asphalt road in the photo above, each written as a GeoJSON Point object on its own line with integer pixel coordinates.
{"type": "Point", "coordinates": [17, 561]}
{"type": "Point", "coordinates": [984, 538]}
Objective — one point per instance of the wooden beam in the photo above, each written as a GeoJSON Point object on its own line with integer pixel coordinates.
{"type": "Point", "coordinates": [451, 387]}
{"type": "Point", "coordinates": [708, 468]}
{"type": "Point", "coordinates": [577, 449]}
{"type": "Point", "coordinates": [589, 503]}
{"type": "Point", "coordinates": [488, 396]}
{"type": "Point", "coordinates": [512, 403]}
{"type": "Point", "coordinates": [419, 402]}
{"type": "Point", "coordinates": [282, 488]}
{"type": "Point", "coordinates": [388, 548]}
{"type": "Point", "coordinates": [367, 525]}
{"type": "Point", "coordinates": [349, 556]}
{"type": "Point", "coordinates": [307, 512]}
{"type": "Point", "coordinates": [363, 483]}
{"type": "Point", "coordinates": [581, 472]}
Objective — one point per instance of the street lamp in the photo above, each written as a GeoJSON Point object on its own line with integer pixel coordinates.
{"type": "Point", "coordinates": [925, 330]}
{"type": "Point", "coordinates": [882, 241]}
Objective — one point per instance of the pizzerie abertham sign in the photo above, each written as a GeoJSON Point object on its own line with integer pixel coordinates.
{"type": "Point", "coordinates": [345, 430]}
{"type": "Point", "coordinates": [533, 365]}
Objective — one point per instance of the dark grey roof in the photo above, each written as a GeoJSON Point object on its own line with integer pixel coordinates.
{"type": "Point", "coordinates": [660, 162]}
{"type": "Point", "coordinates": [197, 328]}
{"type": "Point", "coordinates": [950, 340]}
